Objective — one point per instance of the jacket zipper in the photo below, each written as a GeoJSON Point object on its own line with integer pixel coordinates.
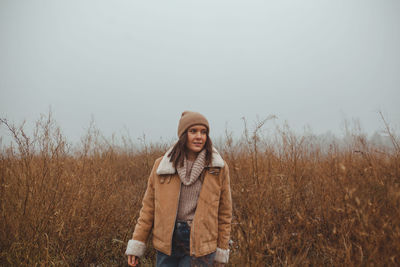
{"type": "Point", "coordinates": [176, 214]}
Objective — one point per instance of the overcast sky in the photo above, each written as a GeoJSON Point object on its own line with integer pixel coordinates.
{"type": "Point", "coordinates": [136, 65]}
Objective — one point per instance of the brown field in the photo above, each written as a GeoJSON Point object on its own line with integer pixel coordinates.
{"type": "Point", "coordinates": [295, 202]}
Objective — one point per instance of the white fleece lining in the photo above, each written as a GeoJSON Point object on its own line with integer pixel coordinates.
{"type": "Point", "coordinates": [166, 166]}
{"type": "Point", "coordinates": [222, 255]}
{"type": "Point", "coordinates": [136, 248]}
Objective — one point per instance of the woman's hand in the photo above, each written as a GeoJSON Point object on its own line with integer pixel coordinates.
{"type": "Point", "coordinates": [133, 260]}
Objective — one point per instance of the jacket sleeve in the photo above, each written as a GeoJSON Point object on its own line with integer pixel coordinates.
{"type": "Point", "coordinates": [137, 245]}
{"type": "Point", "coordinates": [224, 218]}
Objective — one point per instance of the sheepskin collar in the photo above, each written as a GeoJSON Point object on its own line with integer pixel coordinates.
{"type": "Point", "coordinates": [166, 167]}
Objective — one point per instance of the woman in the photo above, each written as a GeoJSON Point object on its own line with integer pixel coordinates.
{"type": "Point", "coordinates": [187, 202]}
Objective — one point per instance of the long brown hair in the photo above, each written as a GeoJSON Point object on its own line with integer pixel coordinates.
{"type": "Point", "coordinates": [179, 151]}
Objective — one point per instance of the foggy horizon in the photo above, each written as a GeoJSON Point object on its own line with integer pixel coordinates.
{"type": "Point", "coordinates": [134, 67]}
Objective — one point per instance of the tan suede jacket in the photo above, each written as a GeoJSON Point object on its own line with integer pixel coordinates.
{"type": "Point", "coordinates": [211, 226]}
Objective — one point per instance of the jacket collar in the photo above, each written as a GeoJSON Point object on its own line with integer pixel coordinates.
{"type": "Point", "coordinates": [166, 167]}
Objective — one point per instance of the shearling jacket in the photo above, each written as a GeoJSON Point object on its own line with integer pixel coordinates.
{"type": "Point", "coordinates": [211, 226]}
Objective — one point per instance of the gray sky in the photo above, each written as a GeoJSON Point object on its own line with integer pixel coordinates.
{"type": "Point", "coordinates": [136, 65]}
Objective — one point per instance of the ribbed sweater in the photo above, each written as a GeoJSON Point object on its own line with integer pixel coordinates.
{"type": "Point", "coordinates": [189, 174]}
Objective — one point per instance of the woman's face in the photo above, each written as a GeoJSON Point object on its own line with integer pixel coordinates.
{"type": "Point", "coordinates": [196, 138]}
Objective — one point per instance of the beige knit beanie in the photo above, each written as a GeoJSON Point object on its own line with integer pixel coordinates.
{"type": "Point", "coordinates": [190, 118]}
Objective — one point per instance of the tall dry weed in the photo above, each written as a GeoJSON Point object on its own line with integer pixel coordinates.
{"type": "Point", "coordinates": [294, 202]}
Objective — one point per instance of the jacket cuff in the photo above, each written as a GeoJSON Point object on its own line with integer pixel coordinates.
{"type": "Point", "coordinates": [136, 248]}
{"type": "Point", "coordinates": [222, 255]}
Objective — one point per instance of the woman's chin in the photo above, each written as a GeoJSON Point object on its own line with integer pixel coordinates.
{"type": "Point", "coordinates": [196, 149]}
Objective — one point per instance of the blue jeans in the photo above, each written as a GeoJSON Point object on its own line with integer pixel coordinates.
{"type": "Point", "coordinates": [180, 255]}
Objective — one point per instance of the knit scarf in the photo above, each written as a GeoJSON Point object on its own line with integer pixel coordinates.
{"type": "Point", "coordinates": [188, 177]}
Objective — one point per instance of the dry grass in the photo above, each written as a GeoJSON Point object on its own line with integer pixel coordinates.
{"type": "Point", "coordinates": [295, 203]}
